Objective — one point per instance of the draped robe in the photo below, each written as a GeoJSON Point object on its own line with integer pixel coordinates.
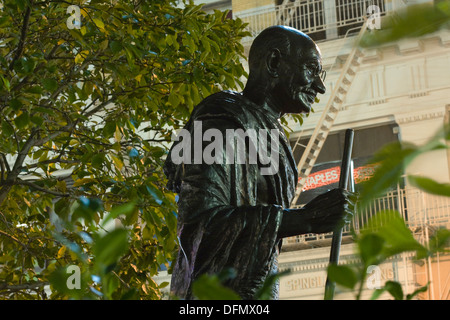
{"type": "Point", "coordinates": [229, 214]}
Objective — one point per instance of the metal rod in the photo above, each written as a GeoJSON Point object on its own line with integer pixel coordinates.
{"type": "Point", "coordinates": [343, 184]}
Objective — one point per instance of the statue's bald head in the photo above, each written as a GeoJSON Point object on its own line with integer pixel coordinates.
{"type": "Point", "coordinates": [285, 70]}
{"type": "Point", "coordinates": [289, 41]}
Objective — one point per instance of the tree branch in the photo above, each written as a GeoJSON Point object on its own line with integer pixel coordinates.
{"type": "Point", "coordinates": [5, 161]}
{"type": "Point", "coordinates": [3, 168]}
{"type": "Point", "coordinates": [40, 142]}
{"type": "Point", "coordinates": [25, 286]}
{"type": "Point", "coordinates": [12, 176]}
{"type": "Point", "coordinates": [50, 161]}
{"type": "Point", "coordinates": [23, 35]}
{"type": "Point", "coordinates": [23, 154]}
{"type": "Point", "coordinates": [24, 81]}
{"type": "Point", "coordinates": [13, 238]}
{"type": "Point", "coordinates": [35, 186]}
{"type": "Point", "coordinates": [69, 77]}
{"type": "Point", "coordinates": [99, 107]}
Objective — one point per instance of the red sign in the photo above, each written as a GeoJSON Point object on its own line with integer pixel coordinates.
{"type": "Point", "coordinates": [329, 176]}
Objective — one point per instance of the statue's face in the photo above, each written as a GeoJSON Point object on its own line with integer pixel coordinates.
{"type": "Point", "coordinates": [300, 80]}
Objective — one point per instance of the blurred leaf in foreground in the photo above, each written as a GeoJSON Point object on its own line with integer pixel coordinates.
{"type": "Point", "coordinates": [391, 161]}
{"type": "Point", "coordinates": [412, 21]}
{"type": "Point", "coordinates": [430, 186]}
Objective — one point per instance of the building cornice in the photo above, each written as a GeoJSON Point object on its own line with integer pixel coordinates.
{"type": "Point", "coordinates": [435, 114]}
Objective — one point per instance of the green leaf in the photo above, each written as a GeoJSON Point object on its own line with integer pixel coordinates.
{"type": "Point", "coordinates": [49, 84]}
{"type": "Point", "coordinates": [390, 160]}
{"type": "Point", "coordinates": [430, 186]}
{"type": "Point", "coordinates": [15, 104]}
{"type": "Point", "coordinates": [155, 193]}
{"type": "Point", "coordinates": [6, 83]}
{"type": "Point", "coordinates": [99, 23]}
{"type": "Point", "coordinates": [342, 275]}
{"type": "Point", "coordinates": [117, 161]}
{"type": "Point", "coordinates": [28, 64]}
{"type": "Point", "coordinates": [97, 161]}
{"type": "Point", "coordinates": [109, 129]}
{"type": "Point", "coordinates": [395, 289]}
{"type": "Point", "coordinates": [62, 208]}
{"type": "Point", "coordinates": [265, 293]}
{"type": "Point", "coordinates": [174, 100]}
{"type": "Point", "coordinates": [131, 294]}
{"type": "Point", "coordinates": [208, 287]}
{"type": "Point", "coordinates": [439, 242]}
{"type": "Point", "coordinates": [417, 291]}
{"type": "Point", "coordinates": [370, 247]}
{"type": "Point", "coordinates": [390, 226]}
{"type": "Point", "coordinates": [7, 129]}
{"type": "Point", "coordinates": [111, 247]}
{"type": "Point", "coordinates": [125, 209]}
{"type": "Point", "coordinates": [110, 283]}
{"type": "Point", "coordinates": [22, 120]}
{"type": "Point", "coordinates": [115, 46]}
{"type": "Point", "coordinates": [377, 293]}
{"type": "Point", "coordinates": [37, 120]}
{"type": "Point", "coordinates": [79, 58]}
{"type": "Point", "coordinates": [87, 209]}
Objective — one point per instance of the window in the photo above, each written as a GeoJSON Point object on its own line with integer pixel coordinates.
{"type": "Point", "coordinates": [350, 14]}
{"type": "Point", "coordinates": [306, 16]}
{"type": "Point", "coordinates": [325, 174]}
{"type": "Point", "coordinates": [316, 17]}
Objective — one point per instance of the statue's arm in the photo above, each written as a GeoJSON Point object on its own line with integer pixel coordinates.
{"type": "Point", "coordinates": [324, 213]}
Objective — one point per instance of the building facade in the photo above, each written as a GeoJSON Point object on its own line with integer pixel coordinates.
{"type": "Point", "coordinates": [395, 92]}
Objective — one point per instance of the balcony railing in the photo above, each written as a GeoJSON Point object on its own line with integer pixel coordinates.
{"type": "Point", "coordinates": [319, 19]}
{"type": "Point", "coordinates": [418, 209]}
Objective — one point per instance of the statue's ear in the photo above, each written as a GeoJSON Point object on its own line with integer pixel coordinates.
{"type": "Point", "coordinates": [273, 62]}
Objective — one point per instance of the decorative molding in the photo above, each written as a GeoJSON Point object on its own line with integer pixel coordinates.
{"type": "Point", "coordinates": [445, 38]}
{"type": "Point", "coordinates": [377, 86]}
{"type": "Point", "coordinates": [418, 78]}
{"type": "Point", "coordinates": [371, 55]}
{"type": "Point", "coordinates": [317, 264]}
{"type": "Point", "coordinates": [410, 46]}
{"type": "Point", "coordinates": [377, 101]}
{"type": "Point", "coordinates": [216, 4]}
{"type": "Point", "coordinates": [417, 94]}
{"type": "Point", "coordinates": [420, 117]}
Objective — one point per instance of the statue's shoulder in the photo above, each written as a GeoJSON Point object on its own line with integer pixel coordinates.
{"type": "Point", "coordinates": [229, 103]}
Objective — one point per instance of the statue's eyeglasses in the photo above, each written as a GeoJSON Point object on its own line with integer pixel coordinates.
{"type": "Point", "coordinates": [313, 68]}
{"type": "Point", "coordinates": [316, 71]}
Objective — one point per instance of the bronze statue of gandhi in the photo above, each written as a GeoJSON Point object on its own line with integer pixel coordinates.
{"type": "Point", "coordinates": [232, 214]}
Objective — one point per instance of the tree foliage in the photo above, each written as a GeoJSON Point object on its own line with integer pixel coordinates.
{"type": "Point", "coordinates": [90, 93]}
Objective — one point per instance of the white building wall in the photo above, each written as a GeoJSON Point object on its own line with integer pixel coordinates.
{"type": "Point", "coordinates": [307, 277]}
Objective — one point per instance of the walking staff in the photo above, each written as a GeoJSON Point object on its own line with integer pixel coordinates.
{"type": "Point", "coordinates": [343, 184]}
